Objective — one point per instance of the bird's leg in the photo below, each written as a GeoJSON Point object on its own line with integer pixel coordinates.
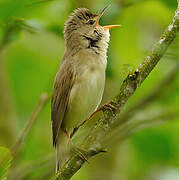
{"type": "Point", "coordinates": [76, 129]}
{"type": "Point", "coordinates": [77, 150]}
{"type": "Point", "coordinates": [68, 136]}
{"type": "Point", "coordinates": [108, 106]}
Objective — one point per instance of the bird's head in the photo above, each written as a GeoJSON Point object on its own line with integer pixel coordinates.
{"type": "Point", "coordinates": [83, 29]}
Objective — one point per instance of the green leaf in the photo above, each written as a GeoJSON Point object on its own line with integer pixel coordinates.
{"type": "Point", "coordinates": [5, 162]}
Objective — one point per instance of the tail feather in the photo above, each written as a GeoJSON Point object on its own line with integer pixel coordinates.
{"type": "Point", "coordinates": [62, 150]}
{"type": "Point", "coordinates": [57, 159]}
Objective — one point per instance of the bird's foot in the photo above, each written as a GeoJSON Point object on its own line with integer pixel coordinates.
{"type": "Point", "coordinates": [85, 121]}
{"type": "Point", "coordinates": [110, 106]}
{"type": "Point", "coordinates": [74, 148]}
{"type": "Point", "coordinates": [80, 153]}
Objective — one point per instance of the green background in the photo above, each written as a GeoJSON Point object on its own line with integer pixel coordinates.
{"type": "Point", "coordinates": [30, 58]}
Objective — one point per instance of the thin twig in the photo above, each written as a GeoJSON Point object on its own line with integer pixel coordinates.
{"type": "Point", "coordinates": [164, 116]}
{"type": "Point", "coordinates": [22, 171]}
{"type": "Point", "coordinates": [38, 108]}
{"type": "Point", "coordinates": [129, 128]}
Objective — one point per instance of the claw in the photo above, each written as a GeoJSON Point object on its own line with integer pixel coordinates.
{"type": "Point", "coordinates": [109, 106]}
{"type": "Point", "coordinates": [73, 146]}
{"type": "Point", "coordinates": [80, 154]}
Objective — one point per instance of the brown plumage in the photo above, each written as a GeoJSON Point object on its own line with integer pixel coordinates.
{"type": "Point", "coordinates": [79, 83]}
{"type": "Point", "coordinates": [63, 83]}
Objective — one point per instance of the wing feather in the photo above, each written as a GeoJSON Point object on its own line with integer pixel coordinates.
{"type": "Point", "coordinates": [60, 97]}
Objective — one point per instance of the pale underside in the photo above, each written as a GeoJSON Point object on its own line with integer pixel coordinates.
{"type": "Point", "coordinates": [87, 91]}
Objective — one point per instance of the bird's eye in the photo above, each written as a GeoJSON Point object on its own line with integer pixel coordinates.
{"type": "Point", "coordinates": [91, 22]}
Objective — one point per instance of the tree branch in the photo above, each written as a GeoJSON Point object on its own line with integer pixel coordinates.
{"type": "Point", "coordinates": [125, 118]}
{"type": "Point", "coordinates": [128, 129]}
{"type": "Point", "coordinates": [92, 142]}
{"type": "Point", "coordinates": [163, 116]}
{"type": "Point", "coordinates": [40, 105]}
{"type": "Point", "coordinates": [7, 112]}
{"type": "Point", "coordinates": [22, 171]}
{"type": "Point", "coordinates": [150, 97]}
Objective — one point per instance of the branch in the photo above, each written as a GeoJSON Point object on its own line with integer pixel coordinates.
{"type": "Point", "coordinates": [11, 30]}
{"type": "Point", "coordinates": [134, 126]}
{"type": "Point", "coordinates": [125, 119]}
{"type": "Point", "coordinates": [170, 114]}
{"type": "Point", "coordinates": [38, 108]}
{"type": "Point", "coordinates": [150, 97]}
{"type": "Point", "coordinates": [92, 141]}
{"type": "Point", "coordinates": [22, 171]}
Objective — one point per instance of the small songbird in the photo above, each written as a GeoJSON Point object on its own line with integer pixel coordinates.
{"type": "Point", "coordinates": [80, 80]}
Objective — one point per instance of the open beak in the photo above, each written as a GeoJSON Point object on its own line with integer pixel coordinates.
{"type": "Point", "coordinates": [111, 26]}
{"type": "Point", "coordinates": [99, 16]}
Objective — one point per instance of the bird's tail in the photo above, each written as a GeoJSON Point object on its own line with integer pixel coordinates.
{"type": "Point", "coordinates": [57, 158]}
{"type": "Point", "coordinates": [62, 150]}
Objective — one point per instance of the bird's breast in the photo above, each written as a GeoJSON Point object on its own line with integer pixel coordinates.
{"type": "Point", "coordinates": [86, 93]}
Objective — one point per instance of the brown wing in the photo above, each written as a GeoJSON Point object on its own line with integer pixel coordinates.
{"type": "Point", "coordinates": [62, 87]}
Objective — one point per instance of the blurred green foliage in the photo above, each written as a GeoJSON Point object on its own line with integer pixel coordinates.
{"type": "Point", "coordinates": [30, 57]}
{"type": "Point", "coordinates": [5, 161]}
